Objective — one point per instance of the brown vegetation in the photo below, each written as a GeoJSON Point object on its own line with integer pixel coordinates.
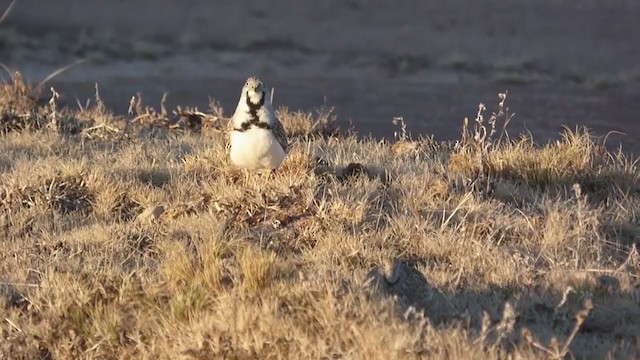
{"type": "Point", "coordinates": [133, 237]}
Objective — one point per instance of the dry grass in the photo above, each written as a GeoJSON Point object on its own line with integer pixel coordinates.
{"type": "Point", "coordinates": [133, 237]}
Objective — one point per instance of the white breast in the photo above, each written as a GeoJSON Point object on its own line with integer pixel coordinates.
{"type": "Point", "coordinates": [255, 149]}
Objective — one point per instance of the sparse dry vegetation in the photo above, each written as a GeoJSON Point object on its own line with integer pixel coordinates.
{"type": "Point", "coordinates": [133, 237]}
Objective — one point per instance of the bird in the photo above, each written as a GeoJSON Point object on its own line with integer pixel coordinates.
{"type": "Point", "coordinates": [257, 139]}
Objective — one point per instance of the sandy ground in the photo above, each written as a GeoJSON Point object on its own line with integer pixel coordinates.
{"type": "Point", "coordinates": [563, 62]}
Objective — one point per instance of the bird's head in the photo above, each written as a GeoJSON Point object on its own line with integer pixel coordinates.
{"type": "Point", "coordinates": [254, 89]}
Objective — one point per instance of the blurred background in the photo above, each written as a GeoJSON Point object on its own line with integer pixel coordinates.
{"type": "Point", "coordinates": [570, 62]}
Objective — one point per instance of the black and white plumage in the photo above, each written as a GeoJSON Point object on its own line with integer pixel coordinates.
{"type": "Point", "coordinates": [257, 139]}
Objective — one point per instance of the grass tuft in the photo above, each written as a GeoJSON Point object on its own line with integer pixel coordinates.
{"type": "Point", "coordinates": [258, 270]}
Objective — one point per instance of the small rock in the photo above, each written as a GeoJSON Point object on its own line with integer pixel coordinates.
{"type": "Point", "coordinates": [352, 170]}
{"type": "Point", "coordinates": [151, 213]}
{"type": "Point", "coordinates": [384, 276]}
{"type": "Point", "coordinates": [608, 284]}
{"type": "Point", "coordinates": [391, 271]}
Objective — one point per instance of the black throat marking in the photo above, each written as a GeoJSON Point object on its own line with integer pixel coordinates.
{"type": "Point", "coordinates": [253, 116]}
